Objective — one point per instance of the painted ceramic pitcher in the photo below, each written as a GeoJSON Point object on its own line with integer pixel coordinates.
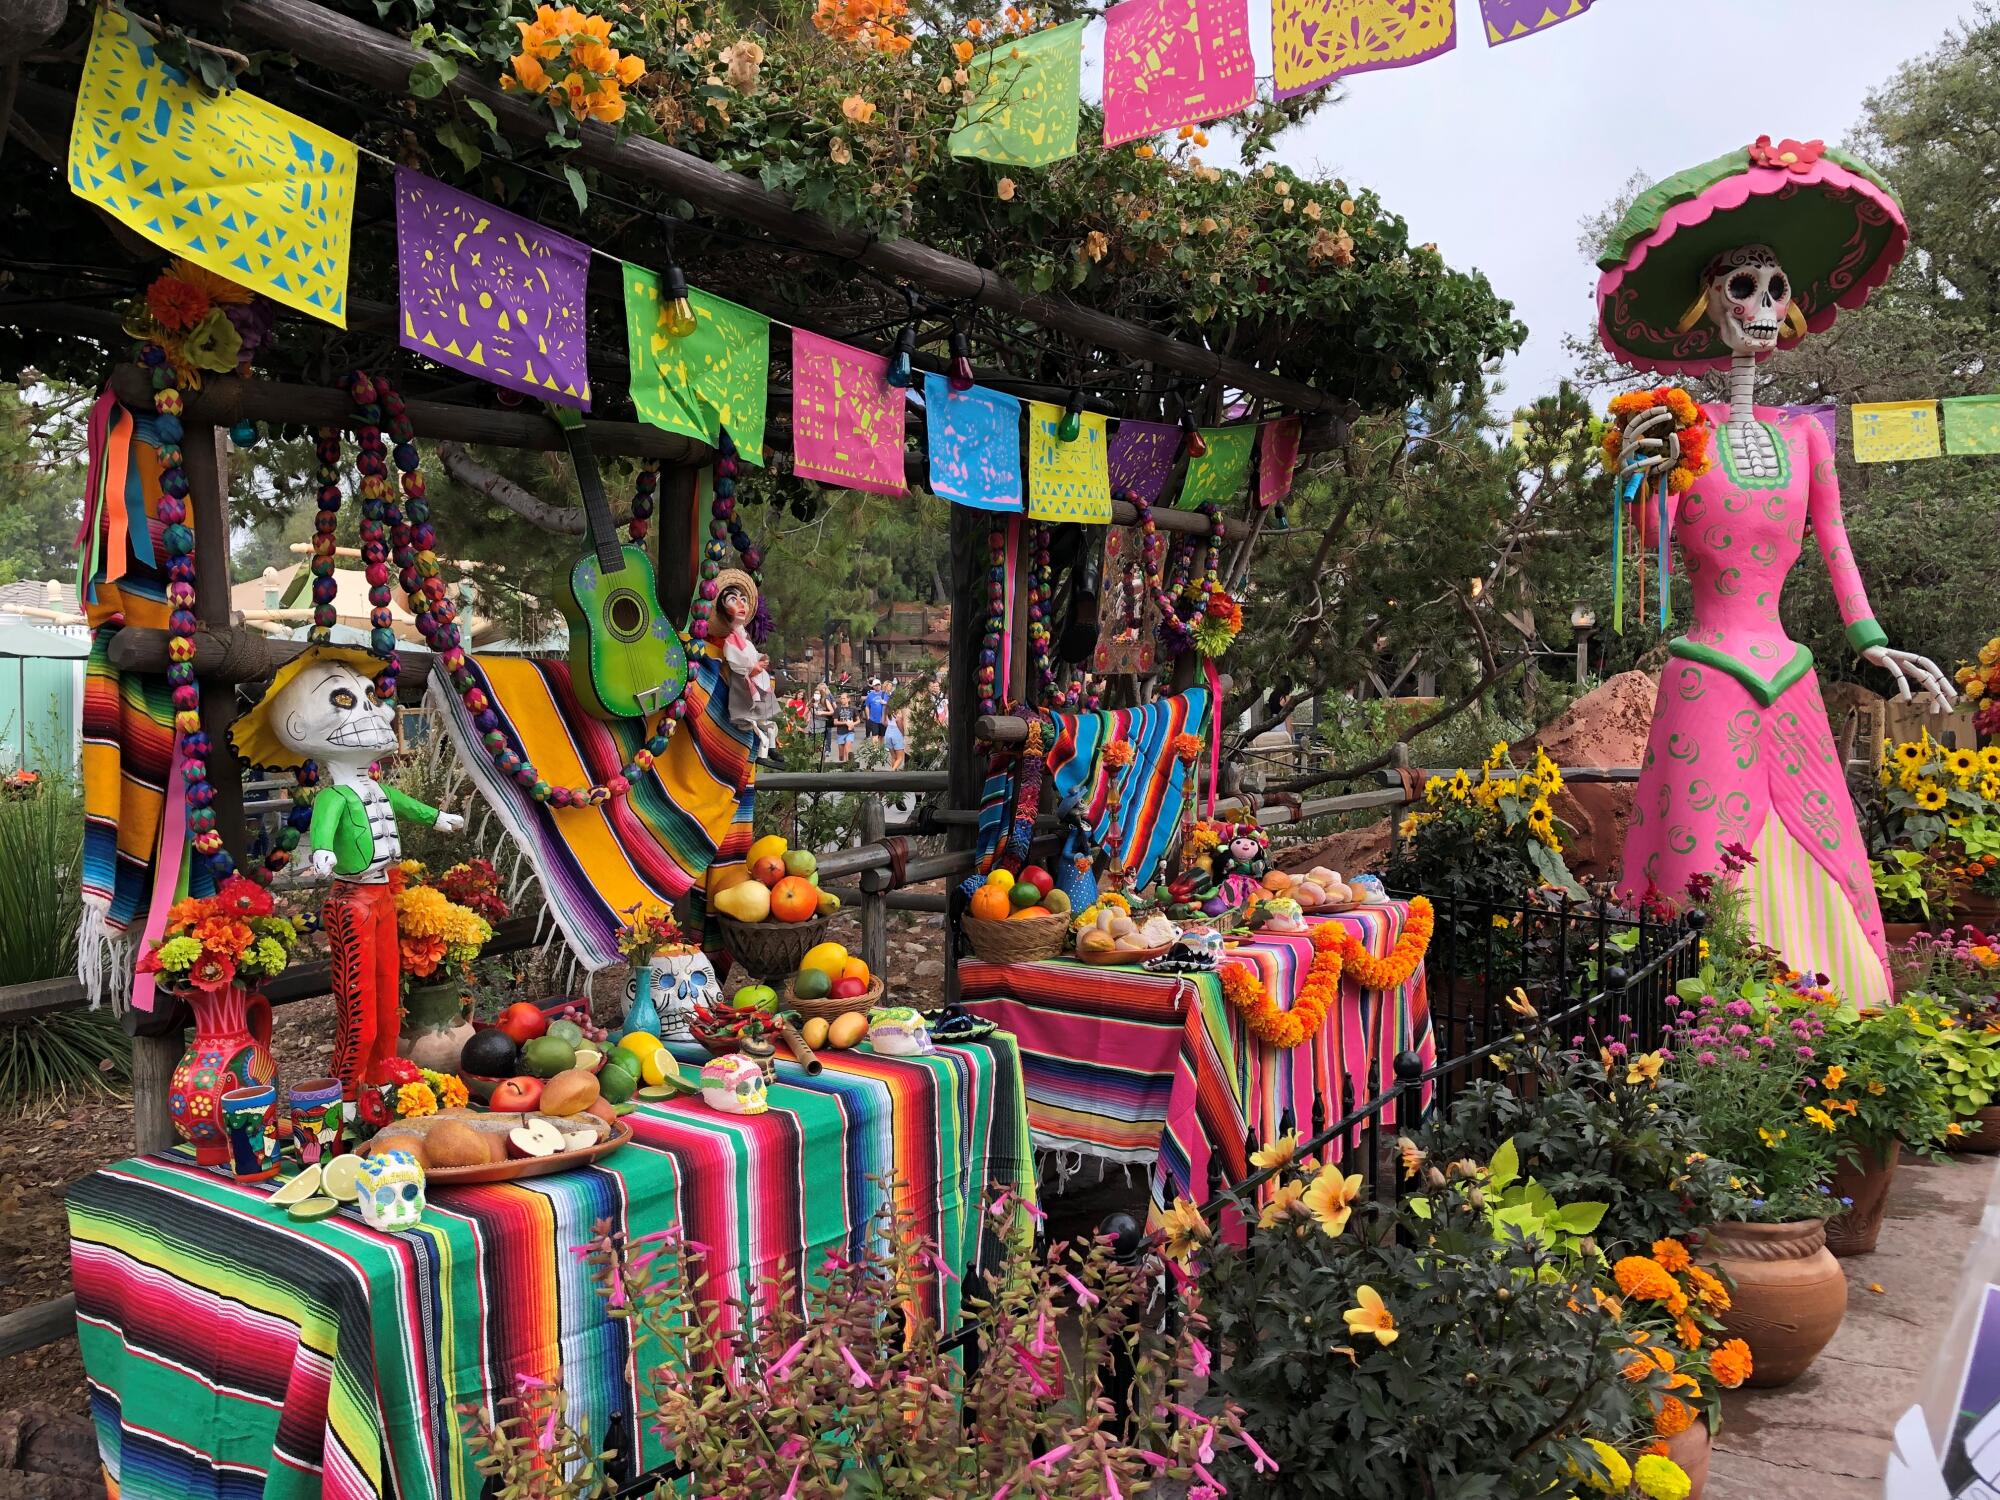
{"type": "Point", "coordinates": [231, 1049]}
{"type": "Point", "coordinates": [660, 996]}
{"type": "Point", "coordinates": [437, 1023]}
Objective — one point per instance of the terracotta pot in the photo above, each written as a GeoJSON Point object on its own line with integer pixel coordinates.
{"type": "Point", "coordinates": [437, 1023]}
{"type": "Point", "coordinates": [1788, 1293]}
{"type": "Point", "coordinates": [1985, 1141]}
{"type": "Point", "coordinates": [1896, 934]}
{"type": "Point", "coordinates": [1981, 911]}
{"type": "Point", "coordinates": [1866, 1181]}
{"type": "Point", "coordinates": [1690, 1450]}
{"type": "Point", "coordinates": [231, 1049]}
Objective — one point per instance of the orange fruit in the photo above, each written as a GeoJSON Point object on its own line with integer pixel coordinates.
{"type": "Point", "coordinates": [855, 968]}
{"type": "Point", "coordinates": [990, 903]}
{"type": "Point", "coordinates": [794, 899]}
{"type": "Point", "coordinates": [1032, 911]}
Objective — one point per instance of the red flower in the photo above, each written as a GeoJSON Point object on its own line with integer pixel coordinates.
{"type": "Point", "coordinates": [176, 305]}
{"type": "Point", "coordinates": [212, 971]}
{"type": "Point", "coordinates": [244, 897]}
{"type": "Point", "coordinates": [400, 1070]}
{"type": "Point", "coordinates": [149, 962]}
{"type": "Point", "coordinates": [1799, 156]}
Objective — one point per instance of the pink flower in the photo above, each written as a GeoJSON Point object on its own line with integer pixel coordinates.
{"type": "Point", "coordinates": [860, 1379]}
{"type": "Point", "coordinates": [1201, 1361]}
{"type": "Point", "coordinates": [1085, 1297]}
{"type": "Point", "coordinates": [1797, 156]}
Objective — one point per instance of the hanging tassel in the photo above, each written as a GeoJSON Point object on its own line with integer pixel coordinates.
{"type": "Point", "coordinates": [1666, 557]}
{"type": "Point", "coordinates": [1619, 500]}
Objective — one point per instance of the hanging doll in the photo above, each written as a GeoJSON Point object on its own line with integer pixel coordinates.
{"type": "Point", "coordinates": [753, 699]}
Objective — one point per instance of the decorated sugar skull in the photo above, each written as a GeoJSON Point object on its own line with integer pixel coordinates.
{"type": "Point", "coordinates": [1748, 297]}
{"type": "Point", "coordinates": [392, 1190]}
{"type": "Point", "coordinates": [681, 980]}
{"type": "Point", "coordinates": [735, 1085]}
{"type": "Point", "coordinates": [330, 713]}
{"type": "Point", "coordinates": [1283, 914]}
{"type": "Point", "coordinates": [898, 1031]}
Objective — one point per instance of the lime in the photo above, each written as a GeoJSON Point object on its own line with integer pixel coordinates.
{"type": "Point", "coordinates": [616, 1081]}
{"type": "Point", "coordinates": [812, 984]}
{"type": "Point", "coordinates": [316, 1208]}
{"type": "Point", "coordinates": [301, 1187]}
{"type": "Point", "coordinates": [341, 1178]}
{"type": "Point", "coordinates": [1021, 894]}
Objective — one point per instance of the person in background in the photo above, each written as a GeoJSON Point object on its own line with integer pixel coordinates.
{"type": "Point", "coordinates": [819, 716]}
{"type": "Point", "coordinates": [877, 704]}
{"type": "Point", "coordinates": [896, 737]}
{"type": "Point", "coordinates": [844, 717]}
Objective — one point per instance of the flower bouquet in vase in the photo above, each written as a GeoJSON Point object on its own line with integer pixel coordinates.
{"type": "Point", "coordinates": [215, 953]}
{"type": "Point", "coordinates": [665, 966]}
{"type": "Point", "coordinates": [438, 938]}
{"type": "Point", "coordinates": [1691, 440]}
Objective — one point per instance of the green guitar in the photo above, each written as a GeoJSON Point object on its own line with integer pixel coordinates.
{"type": "Point", "coordinates": [625, 656]}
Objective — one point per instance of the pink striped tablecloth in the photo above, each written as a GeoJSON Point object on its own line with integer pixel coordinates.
{"type": "Point", "coordinates": [1159, 1070]}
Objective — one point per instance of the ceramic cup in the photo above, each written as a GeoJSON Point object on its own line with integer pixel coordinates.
{"type": "Point", "coordinates": [317, 1116]}
{"type": "Point", "coordinates": [250, 1120]}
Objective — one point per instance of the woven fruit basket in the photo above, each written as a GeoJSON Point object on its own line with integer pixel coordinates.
{"type": "Point", "coordinates": [773, 950]}
{"type": "Point", "coordinates": [826, 1007]}
{"type": "Point", "coordinates": [1016, 940]}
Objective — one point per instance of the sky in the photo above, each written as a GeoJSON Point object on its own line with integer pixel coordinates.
{"type": "Point", "coordinates": [1497, 154]}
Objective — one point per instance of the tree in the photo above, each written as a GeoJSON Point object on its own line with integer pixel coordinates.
{"type": "Point", "coordinates": [41, 480]}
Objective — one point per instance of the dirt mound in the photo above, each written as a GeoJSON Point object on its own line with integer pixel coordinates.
{"type": "Point", "coordinates": [1354, 852]}
{"type": "Point", "coordinates": [1604, 729]}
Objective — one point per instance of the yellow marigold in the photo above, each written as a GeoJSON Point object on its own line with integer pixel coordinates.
{"type": "Point", "coordinates": [1673, 1417]}
{"type": "Point", "coordinates": [1672, 1255]}
{"type": "Point", "coordinates": [1731, 1363]}
{"type": "Point", "coordinates": [415, 1100]}
{"type": "Point", "coordinates": [1660, 1478]}
{"type": "Point", "coordinates": [1617, 1476]}
{"type": "Point", "coordinates": [1639, 1277]}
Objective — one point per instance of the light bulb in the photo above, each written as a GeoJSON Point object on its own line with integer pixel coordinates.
{"type": "Point", "coordinates": [1193, 444]}
{"type": "Point", "coordinates": [679, 315]}
{"type": "Point", "coordinates": [961, 377]}
{"type": "Point", "coordinates": [1071, 427]}
{"type": "Point", "coordinates": [900, 372]}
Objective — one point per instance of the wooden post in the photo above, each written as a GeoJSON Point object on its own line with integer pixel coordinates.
{"type": "Point", "coordinates": [206, 464]}
{"type": "Point", "coordinates": [680, 534]}
{"type": "Point", "coordinates": [962, 759]}
{"type": "Point", "coordinates": [153, 1061]}
{"type": "Point", "coordinates": [874, 888]}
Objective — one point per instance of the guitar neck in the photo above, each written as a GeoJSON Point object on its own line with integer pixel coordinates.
{"type": "Point", "coordinates": [596, 507]}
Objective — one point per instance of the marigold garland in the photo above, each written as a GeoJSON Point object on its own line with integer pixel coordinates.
{"type": "Point", "coordinates": [1336, 953]}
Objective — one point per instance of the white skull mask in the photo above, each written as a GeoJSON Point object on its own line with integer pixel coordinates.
{"type": "Point", "coordinates": [329, 714]}
{"type": "Point", "coordinates": [1749, 298]}
{"type": "Point", "coordinates": [392, 1190]}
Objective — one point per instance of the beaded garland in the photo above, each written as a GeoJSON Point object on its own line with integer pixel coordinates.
{"type": "Point", "coordinates": [1183, 601]}
{"type": "Point", "coordinates": [723, 526]}
{"type": "Point", "coordinates": [996, 620]}
{"type": "Point", "coordinates": [1041, 631]}
{"type": "Point", "coordinates": [177, 541]}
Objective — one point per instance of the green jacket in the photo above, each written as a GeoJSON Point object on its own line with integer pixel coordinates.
{"type": "Point", "coordinates": [340, 823]}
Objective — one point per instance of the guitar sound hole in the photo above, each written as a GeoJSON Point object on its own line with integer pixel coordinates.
{"type": "Point", "coordinates": [626, 615]}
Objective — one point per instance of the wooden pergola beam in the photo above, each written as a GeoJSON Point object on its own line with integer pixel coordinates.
{"type": "Point", "coordinates": [383, 62]}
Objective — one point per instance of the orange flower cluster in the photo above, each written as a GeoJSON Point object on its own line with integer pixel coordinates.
{"type": "Point", "coordinates": [864, 24]}
{"type": "Point", "coordinates": [1730, 1363]}
{"type": "Point", "coordinates": [1696, 435]}
{"type": "Point", "coordinates": [568, 57]}
{"type": "Point", "coordinates": [1337, 953]}
{"type": "Point", "coordinates": [1670, 1296]}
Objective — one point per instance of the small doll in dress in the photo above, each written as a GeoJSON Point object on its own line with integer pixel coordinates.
{"type": "Point", "coordinates": [753, 698]}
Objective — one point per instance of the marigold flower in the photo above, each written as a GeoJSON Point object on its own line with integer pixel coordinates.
{"type": "Point", "coordinates": [1672, 1255]}
{"type": "Point", "coordinates": [176, 305]}
{"type": "Point", "coordinates": [415, 1100]}
{"type": "Point", "coordinates": [1660, 1478]}
{"type": "Point", "coordinates": [1731, 1363]}
{"type": "Point", "coordinates": [1617, 1476]}
{"type": "Point", "coordinates": [1639, 1277]}
{"type": "Point", "coordinates": [1672, 1417]}
{"type": "Point", "coordinates": [1686, 1329]}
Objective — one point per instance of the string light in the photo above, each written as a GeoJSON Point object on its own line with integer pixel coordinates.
{"type": "Point", "coordinates": [678, 318]}
{"type": "Point", "coordinates": [1071, 426]}
{"type": "Point", "coordinates": [1193, 444]}
{"type": "Point", "coordinates": [961, 378]}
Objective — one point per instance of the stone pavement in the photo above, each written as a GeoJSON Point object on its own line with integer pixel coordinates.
{"type": "Point", "coordinates": [1827, 1435]}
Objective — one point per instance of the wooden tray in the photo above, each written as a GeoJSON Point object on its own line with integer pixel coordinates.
{"type": "Point", "coordinates": [1122, 956]}
{"type": "Point", "coordinates": [613, 1136]}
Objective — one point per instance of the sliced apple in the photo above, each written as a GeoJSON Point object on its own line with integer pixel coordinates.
{"type": "Point", "coordinates": [535, 1136]}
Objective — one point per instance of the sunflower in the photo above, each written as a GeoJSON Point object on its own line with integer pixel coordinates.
{"type": "Point", "coordinates": [1961, 763]}
{"type": "Point", "coordinates": [1541, 820]}
{"type": "Point", "coordinates": [1930, 796]}
{"type": "Point", "coordinates": [1911, 753]}
{"type": "Point", "coordinates": [1989, 759]}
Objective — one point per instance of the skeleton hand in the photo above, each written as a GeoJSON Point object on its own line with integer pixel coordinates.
{"type": "Point", "coordinates": [323, 861]}
{"type": "Point", "coordinates": [450, 822]}
{"type": "Point", "coordinates": [1903, 665]}
{"type": "Point", "coordinates": [1643, 452]}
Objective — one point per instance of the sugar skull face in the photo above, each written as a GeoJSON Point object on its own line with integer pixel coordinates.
{"type": "Point", "coordinates": [392, 1190]}
{"type": "Point", "coordinates": [1749, 298]}
{"type": "Point", "coordinates": [898, 1031]}
{"type": "Point", "coordinates": [735, 1085]}
{"type": "Point", "coordinates": [329, 713]}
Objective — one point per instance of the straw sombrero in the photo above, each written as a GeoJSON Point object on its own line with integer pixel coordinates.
{"type": "Point", "coordinates": [256, 742]}
{"type": "Point", "coordinates": [1832, 220]}
{"type": "Point", "coordinates": [736, 578]}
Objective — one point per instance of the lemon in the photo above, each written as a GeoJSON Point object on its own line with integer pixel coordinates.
{"type": "Point", "coordinates": [641, 1044]}
{"type": "Point", "coordinates": [301, 1187]}
{"type": "Point", "coordinates": [828, 958]}
{"type": "Point", "coordinates": [771, 846]}
{"type": "Point", "coordinates": [1004, 879]}
{"type": "Point", "coordinates": [659, 1065]}
{"type": "Point", "coordinates": [340, 1179]}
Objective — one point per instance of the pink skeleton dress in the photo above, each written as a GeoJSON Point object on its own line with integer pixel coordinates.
{"type": "Point", "coordinates": [1740, 750]}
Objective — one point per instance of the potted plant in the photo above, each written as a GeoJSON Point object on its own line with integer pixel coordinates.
{"type": "Point", "coordinates": [216, 952]}
{"type": "Point", "coordinates": [1964, 1050]}
{"type": "Point", "coordinates": [439, 937]}
{"type": "Point", "coordinates": [1876, 1071]}
{"type": "Point", "coordinates": [1746, 1062]}
{"type": "Point", "coordinates": [1912, 890]}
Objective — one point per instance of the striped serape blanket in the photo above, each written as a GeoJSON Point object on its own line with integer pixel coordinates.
{"type": "Point", "coordinates": [128, 717]}
{"type": "Point", "coordinates": [691, 815]}
{"type": "Point", "coordinates": [1158, 1070]}
{"type": "Point", "coordinates": [234, 1352]}
{"type": "Point", "coordinates": [1152, 789]}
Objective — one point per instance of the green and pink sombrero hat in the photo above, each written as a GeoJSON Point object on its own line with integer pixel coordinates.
{"type": "Point", "coordinates": [1832, 220]}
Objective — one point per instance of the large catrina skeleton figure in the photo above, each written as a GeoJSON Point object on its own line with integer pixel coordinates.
{"type": "Point", "coordinates": [1740, 755]}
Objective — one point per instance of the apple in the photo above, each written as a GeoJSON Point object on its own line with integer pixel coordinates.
{"type": "Point", "coordinates": [801, 862]}
{"type": "Point", "coordinates": [847, 989]}
{"type": "Point", "coordinates": [538, 1137]}
{"type": "Point", "coordinates": [1036, 876]}
{"type": "Point", "coordinates": [755, 997]}
{"type": "Point", "coordinates": [768, 871]}
{"type": "Point", "coordinates": [523, 1022]}
{"type": "Point", "coordinates": [517, 1095]}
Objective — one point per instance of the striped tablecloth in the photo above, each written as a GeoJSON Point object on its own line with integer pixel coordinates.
{"type": "Point", "coordinates": [1158, 1070]}
{"type": "Point", "coordinates": [232, 1352]}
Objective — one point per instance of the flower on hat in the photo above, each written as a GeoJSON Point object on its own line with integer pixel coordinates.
{"type": "Point", "coordinates": [1798, 156]}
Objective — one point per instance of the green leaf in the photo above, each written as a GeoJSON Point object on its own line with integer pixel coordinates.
{"type": "Point", "coordinates": [1580, 1218]}
{"type": "Point", "coordinates": [485, 114]}
{"type": "Point", "coordinates": [429, 77]}
{"type": "Point", "coordinates": [576, 186]}
{"type": "Point", "coordinates": [459, 139]}
{"type": "Point", "coordinates": [1505, 1166]}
